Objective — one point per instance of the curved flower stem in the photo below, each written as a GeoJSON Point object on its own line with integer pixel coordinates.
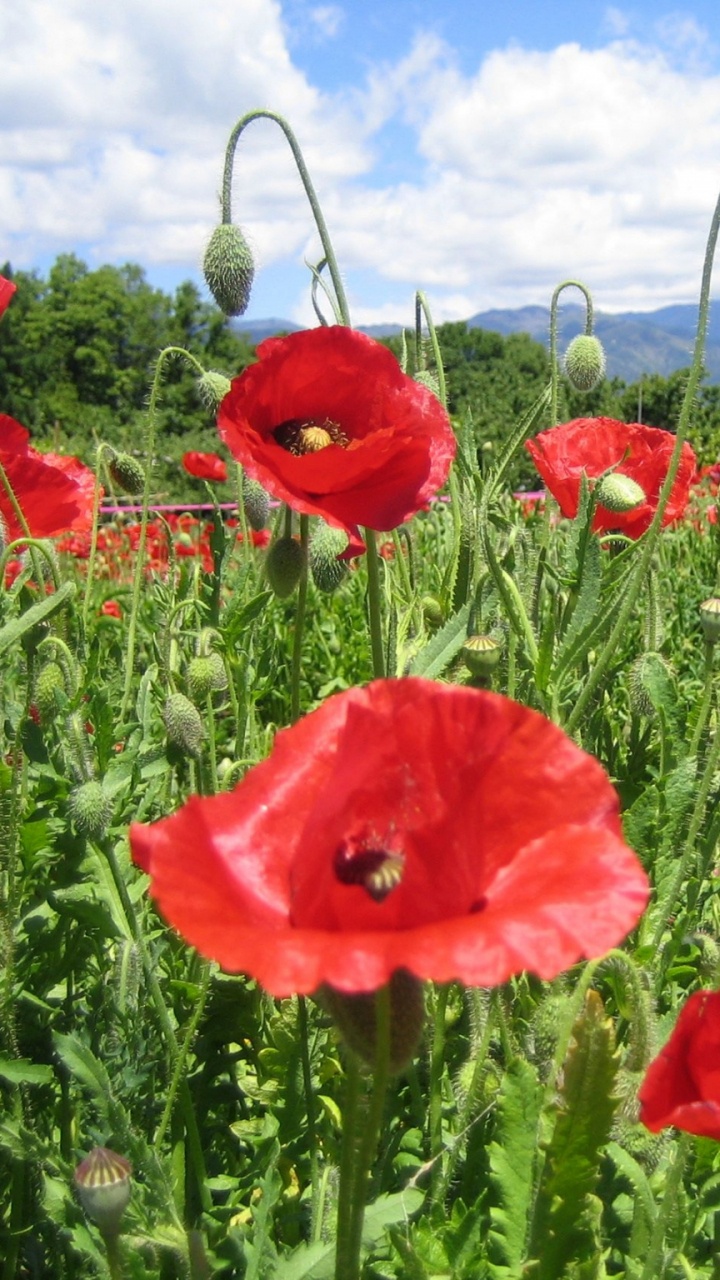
{"type": "Point", "coordinates": [299, 623]}
{"type": "Point", "coordinates": [36, 547]}
{"type": "Point", "coordinates": [328, 250]}
{"type": "Point", "coordinates": [374, 606]}
{"type": "Point", "coordinates": [705, 703]}
{"type": "Point", "coordinates": [554, 367]}
{"type": "Point", "coordinates": [650, 539]}
{"type": "Point", "coordinates": [102, 449]}
{"type": "Point", "coordinates": [19, 516]}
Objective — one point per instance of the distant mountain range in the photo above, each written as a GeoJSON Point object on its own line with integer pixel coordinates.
{"type": "Point", "coordinates": [635, 342]}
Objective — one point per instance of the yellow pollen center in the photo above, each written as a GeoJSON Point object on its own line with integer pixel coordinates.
{"type": "Point", "coordinates": [313, 439]}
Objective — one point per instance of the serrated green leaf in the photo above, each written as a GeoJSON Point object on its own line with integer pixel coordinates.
{"type": "Point", "coordinates": [13, 631]}
{"type": "Point", "coordinates": [317, 1261]}
{"type": "Point", "coordinates": [449, 640]}
{"type": "Point", "coordinates": [21, 1071]}
{"type": "Point", "coordinates": [512, 1161]}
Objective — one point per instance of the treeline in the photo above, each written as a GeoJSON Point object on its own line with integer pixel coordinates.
{"type": "Point", "coordinates": [78, 350]}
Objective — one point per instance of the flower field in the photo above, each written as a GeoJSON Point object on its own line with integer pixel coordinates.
{"type": "Point", "coordinates": [359, 831]}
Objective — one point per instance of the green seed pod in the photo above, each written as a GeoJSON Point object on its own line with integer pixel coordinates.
{"type": "Point", "coordinates": [432, 610]}
{"type": "Point", "coordinates": [103, 1186]}
{"type": "Point", "coordinates": [710, 619]}
{"type": "Point", "coordinates": [585, 362]}
{"type": "Point", "coordinates": [212, 389]}
{"type": "Point", "coordinates": [206, 674]}
{"type": "Point", "coordinates": [183, 724]}
{"type": "Point", "coordinates": [90, 810]}
{"type": "Point", "coordinates": [50, 693]}
{"type": "Point", "coordinates": [284, 566]}
{"type": "Point", "coordinates": [326, 544]}
{"type": "Point", "coordinates": [481, 655]}
{"type": "Point", "coordinates": [229, 269]}
{"type": "Point", "coordinates": [126, 473]}
{"type": "Point", "coordinates": [619, 493]}
{"type": "Point", "coordinates": [355, 1017]}
{"type": "Point", "coordinates": [256, 504]}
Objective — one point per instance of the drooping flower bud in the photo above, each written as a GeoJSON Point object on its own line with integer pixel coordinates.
{"type": "Point", "coordinates": [284, 566]}
{"type": "Point", "coordinates": [229, 269]}
{"type": "Point", "coordinates": [432, 610]}
{"type": "Point", "coordinates": [355, 1016]}
{"type": "Point", "coordinates": [50, 691]}
{"type": "Point", "coordinates": [126, 473]}
{"type": "Point", "coordinates": [326, 544]}
{"type": "Point", "coordinates": [619, 493]}
{"type": "Point", "coordinates": [585, 362]}
{"type": "Point", "coordinates": [183, 724]}
{"type": "Point", "coordinates": [90, 809]}
{"type": "Point", "coordinates": [103, 1185]}
{"type": "Point", "coordinates": [212, 389]}
{"type": "Point", "coordinates": [256, 503]}
{"type": "Point", "coordinates": [206, 674]}
{"type": "Point", "coordinates": [710, 619]}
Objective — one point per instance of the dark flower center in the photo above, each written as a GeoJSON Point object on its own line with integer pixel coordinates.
{"type": "Point", "coordinates": [377, 870]}
{"type": "Point", "coordinates": [300, 435]}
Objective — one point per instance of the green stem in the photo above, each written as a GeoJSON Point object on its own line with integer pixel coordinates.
{"type": "Point", "coordinates": [374, 605]}
{"type": "Point", "coordinates": [437, 1068]}
{"type": "Point", "coordinates": [348, 1161]}
{"type": "Point", "coordinates": [300, 610]}
{"type": "Point", "coordinates": [422, 309]}
{"type": "Point", "coordinates": [309, 191]}
{"type": "Point", "coordinates": [705, 702]}
{"type": "Point", "coordinates": [652, 1267]}
{"type": "Point", "coordinates": [182, 1054]}
{"type": "Point", "coordinates": [554, 367]}
{"type": "Point", "coordinates": [311, 1111]}
{"type": "Point", "coordinates": [371, 1131]}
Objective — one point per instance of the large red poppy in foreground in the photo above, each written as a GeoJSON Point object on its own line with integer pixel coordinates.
{"type": "Point", "coordinates": [55, 493]}
{"type": "Point", "coordinates": [7, 289]}
{"type": "Point", "coordinates": [328, 423]}
{"type": "Point", "coordinates": [682, 1085]}
{"type": "Point", "coordinates": [447, 831]}
{"type": "Point", "coordinates": [593, 445]}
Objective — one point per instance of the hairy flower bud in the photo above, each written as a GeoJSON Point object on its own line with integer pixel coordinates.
{"type": "Point", "coordinates": [206, 674]}
{"type": "Point", "coordinates": [183, 724]}
{"type": "Point", "coordinates": [326, 544]}
{"type": "Point", "coordinates": [126, 473]}
{"type": "Point", "coordinates": [102, 1180]}
{"type": "Point", "coordinates": [355, 1016]}
{"type": "Point", "coordinates": [619, 493]}
{"type": "Point", "coordinates": [585, 362]}
{"type": "Point", "coordinates": [256, 504]}
{"type": "Point", "coordinates": [212, 389]}
{"type": "Point", "coordinates": [91, 810]}
{"type": "Point", "coordinates": [284, 566]}
{"type": "Point", "coordinates": [50, 690]}
{"type": "Point", "coordinates": [229, 269]}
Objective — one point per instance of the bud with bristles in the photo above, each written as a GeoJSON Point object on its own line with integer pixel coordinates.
{"type": "Point", "coordinates": [710, 619]}
{"type": "Point", "coordinates": [91, 810]}
{"type": "Point", "coordinates": [229, 269]}
{"type": "Point", "coordinates": [585, 362]}
{"type": "Point", "coordinates": [50, 692]}
{"type": "Point", "coordinates": [619, 493]}
{"type": "Point", "coordinates": [326, 544]}
{"type": "Point", "coordinates": [102, 1180]}
{"type": "Point", "coordinates": [640, 700]}
{"type": "Point", "coordinates": [212, 389]}
{"type": "Point", "coordinates": [284, 566]}
{"type": "Point", "coordinates": [206, 674]}
{"type": "Point", "coordinates": [183, 724]}
{"type": "Point", "coordinates": [126, 473]}
{"type": "Point", "coordinates": [256, 504]}
{"type": "Point", "coordinates": [428, 378]}
{"type": "Point", "coordinates": [355, 1016]}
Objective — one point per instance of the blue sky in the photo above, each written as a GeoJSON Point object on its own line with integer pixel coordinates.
{"type": "Point", "coordinates": [480, 152]}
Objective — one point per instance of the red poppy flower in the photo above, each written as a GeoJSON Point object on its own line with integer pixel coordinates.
{"type": "Point", "coordinates": [443, 830]}
{"type": "Point", "coordinates": [328, 423]}
{"type": "Point", "coordinates": [682, 1085]}
{"type": "Point", "coordinates": [593, 445]}
{"type": "Point", "coordinates": [7, 289]}
{"type": "Point", "coordinates": [111, 609]}
{"type": "Point", "coordinates": [206, 466]}
{"type": "Point", "coordinates": [54, 493]}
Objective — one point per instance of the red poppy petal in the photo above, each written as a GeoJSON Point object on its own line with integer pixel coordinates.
{"type": "Point", "coordinates": [682, 1084]}
{"type": "Point", "coordinates": [7, 289]}
{"type": "Point", "coordinates": [205, 466]}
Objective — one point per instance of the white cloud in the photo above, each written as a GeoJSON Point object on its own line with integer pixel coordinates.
{"type": "Point", "coordinates": [484, 189]}
{"type": "Point", "coordinates": [327, 20]}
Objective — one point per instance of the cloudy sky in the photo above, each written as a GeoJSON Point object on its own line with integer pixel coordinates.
{"type": "Point", "coordinates": [480, 152]}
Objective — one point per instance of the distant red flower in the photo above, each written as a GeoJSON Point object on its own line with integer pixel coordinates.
{"type": "Point", "coordinates": [7, 289]}
{"type": "Point", "coordinates": [54, 493]}
{"type": "Point", "coordinates": [593, 445]}
{"type": "Point", "coordinates": [408, 824]}
{"type": "Point", "coordinates": [682, 1085]}
{"type": "Point", "coordinates": [328, 423]}
{"type": "Point", "coordinates": [111, 609]}
{"type": "Point", "coordinates": [206, 466]}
